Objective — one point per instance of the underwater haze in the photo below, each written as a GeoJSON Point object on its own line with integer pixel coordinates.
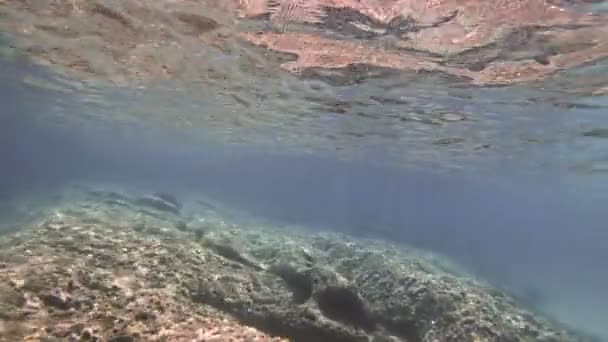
{"type": "Point", "coordinates": [540, 237]}
{"type": "Point", "coordinates": [426, 127]}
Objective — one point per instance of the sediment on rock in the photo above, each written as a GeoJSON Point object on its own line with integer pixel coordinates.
{"type": "Point", "coordinates": [88, 270]}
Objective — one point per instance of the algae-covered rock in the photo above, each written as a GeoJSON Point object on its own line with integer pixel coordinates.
{"type": "Point", "coordinates": [88, 270]}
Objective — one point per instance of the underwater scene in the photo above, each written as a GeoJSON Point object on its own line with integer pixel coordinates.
{"type": "Point", "coordinates": [304, 170]}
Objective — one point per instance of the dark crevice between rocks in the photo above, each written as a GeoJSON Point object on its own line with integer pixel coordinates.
{"type": "Point", "coordinates": [299, 283]}
{"type": "Point", "coordinates": [347, 22]}
{"type": "Point", "coordinates": [350, 75]}
{"type": "Point", "coordinates": [55, 301]}
{"type": "Point", "coordinates": [400, 25]}
{"type": "Point", "coordinates": [111, 14]}
{"type": "Point", "coordinates": [340, 304]}
{"type": "Point", "coordinates": [297, 330]}
{"type": "Point", "coordinates": [266, 57]}
{"type": "Point", "coordinates": [525, 43]}
{"type": "Point", "coordinates": [231, 253]}
{"type": "Point", "coordinates": [299, 326]}
{"type": "Point", "coordinates": [345, 305]}
{"type": "Point", "coordinates": [406, 328]}
{"type": "Point", "coordinates": [413, 323]}
{"type": "Point", "coordinates": [197, 24]}
{"type": "Point", "coordinates": [343, 20]}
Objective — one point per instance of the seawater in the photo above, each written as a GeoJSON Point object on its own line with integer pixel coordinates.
{"type": "Point", "coordinates": [540, 236]}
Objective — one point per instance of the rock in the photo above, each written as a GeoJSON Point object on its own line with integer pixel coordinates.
{"type": "Point", "coordinates": [169, 198]}
{"type": "Point", "coordinates": [198, 234]}
{"type": "Point", "coordinates": [229, 252]}
{"type": "Point", "coordinates": [144, 316]}
{"type": "Point", "coordinates": [320, 287]}
{"type": "Point", "coordinates": [345, 305]}
{"type": "Point", "coordinates": [11, 301]}
{"type": "Point", "coordinates": [299, 282]}
{"type": "Point", "coordinates": [158, 204]}
{"type": "Point", "coordinates": [55, 300]}
{"type": "Point", "coordinates": [77, 328]}
{"type": "Point", "coordinates": [181, 226]}
{"type": "Point", "coordinates": [122, 338]}
{"type": "Point", "coordinates": [10, 296]}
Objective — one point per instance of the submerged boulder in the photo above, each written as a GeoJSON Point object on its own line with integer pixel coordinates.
{"type": "Point", "coordinates": [169, 198]}
{"type": "Point", "coordinates": [162, 202]}
{"type": "Point", "coordinates": [344, 304]}
{"type": "Point", "coordinates": [89, 264]}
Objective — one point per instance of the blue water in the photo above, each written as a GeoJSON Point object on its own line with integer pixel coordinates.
{"type": "Point", "coordinates": [543, 236]}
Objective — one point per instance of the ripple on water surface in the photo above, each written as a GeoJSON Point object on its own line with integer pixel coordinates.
{"type": "Point", "coordinates": [452, 84]}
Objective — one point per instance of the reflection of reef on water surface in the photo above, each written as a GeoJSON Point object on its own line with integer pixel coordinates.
{"type": "Point", "coordinates": [488, 42]}
{"type": "Point", "coordinates": [356, 77]}
{"type": "Point", "coordinates": [117, 266]}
